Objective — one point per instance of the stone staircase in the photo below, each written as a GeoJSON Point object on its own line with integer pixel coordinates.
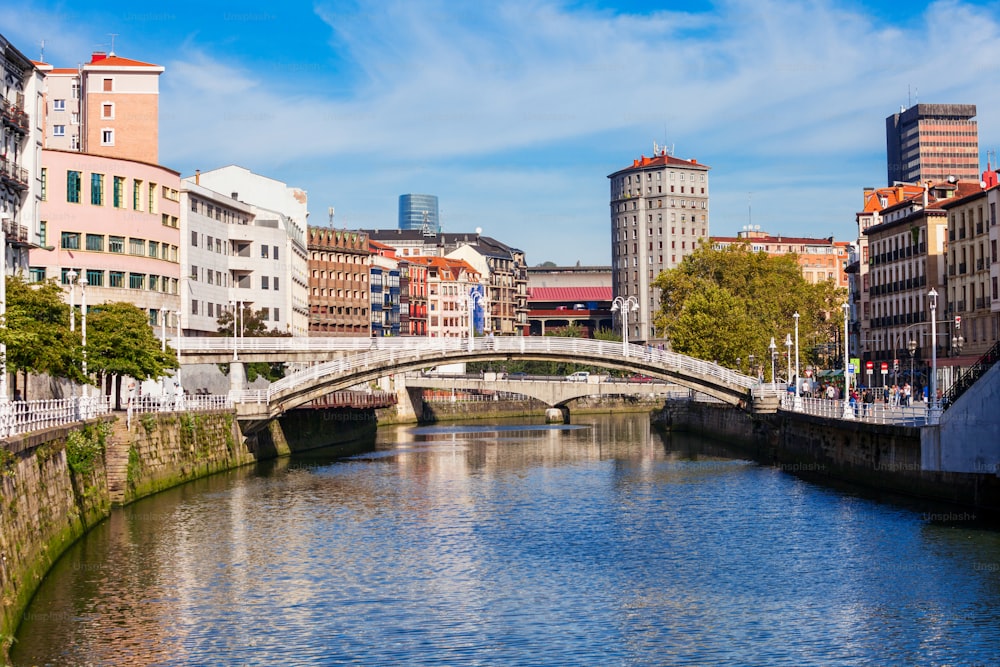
{"type": "Point", "coordinates": [116, 461]}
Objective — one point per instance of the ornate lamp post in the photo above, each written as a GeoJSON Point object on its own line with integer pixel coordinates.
{"type": "Point", "coordinates": [788, 354]}
{"type": "Point", "coordinates": [625, 306]}
{"type": "Point", "coordinates": [911, 347]}
{"type": "Point", "coordinates": [932, 416]}
{"type": "Point", "coordinates": [83, 330]}
{"type": "Point", "coordinates": [798, 398]}
{"type": "Point", "coordinates": [773, 349]}
{"type": "Point", "coordinates": [848, 412]}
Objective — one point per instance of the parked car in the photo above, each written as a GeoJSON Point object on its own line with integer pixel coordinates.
{"type": "Point", "coordinates": [640, 378]}
{"type": "Point", "coordinates": [520, 375]}
{"type": "Point", "coordinates": [579, 376]}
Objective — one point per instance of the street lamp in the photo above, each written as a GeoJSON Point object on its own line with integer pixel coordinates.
{"type": "Point", "coordinates": [788, 355]}
{"type": "Point", "coordinates": [753, 369]}
{"type": "Point", "coordinates": [848, 412]}
{"type": "Point", "coordinates": [83, 329]}
{"type": "Point", "coordinates": [932, 417]}
{"type": "Point", "coordinates": [774, 352]}
{"type": "Point", "coordinates": [71, 279]}
{"type": "Point", "coordinates": [911, 347]}
{"type": "Point", "coordinates": [624, 306]}
{"type": "Point", "coordinates": [957, 343]}
{"type": "Point", "coordinates": [798, 398]}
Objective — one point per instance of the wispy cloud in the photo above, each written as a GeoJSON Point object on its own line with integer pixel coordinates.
{"type": "Point", "coordinates": [514, 113]}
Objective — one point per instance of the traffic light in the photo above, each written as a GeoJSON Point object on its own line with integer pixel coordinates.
{"type": "Point", "coordinates": [958, 321]}
{"type": "Point", "coordinates": [895, 365]}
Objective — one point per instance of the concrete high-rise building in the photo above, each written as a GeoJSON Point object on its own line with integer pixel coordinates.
{"type": "Point", "coordinates": [932, 142]}
{"type": "Point", "coordinates": [659, 214]}
{"type": "Point", "coordinates": [419, 212]}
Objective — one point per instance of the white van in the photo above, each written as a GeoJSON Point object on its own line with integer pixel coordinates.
{"type": "Point", "coordinates": [579, 376]}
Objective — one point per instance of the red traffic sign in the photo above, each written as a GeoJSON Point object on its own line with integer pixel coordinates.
{"type": "Point", "coordinates": [869, 366]}
{"type": "Point", "coordinates": [885, 367]}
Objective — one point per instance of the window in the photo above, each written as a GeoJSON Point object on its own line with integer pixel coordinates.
{"type": "Point", "coordinates": [36, 274]}
{"type": "Point", "coordinates": [154, 283]}
{"type": "Point", "coordinates": [152, 198]}
{"type": "Point", "coordinates": [194, 306]}
{"type": "Point", "coordinates": [74, 142]}
{"type": "Point", "coordinates": [275, 252]}
{"type": "Point", "coordinates": [95, 277]}
{"type": "Point", "coordinates": [154, 249]}
{"type": "Point", "coordinates": [45, 183]}
{"type": "Point", "coordinates": [119, 192]}
{"type": "Point", "coordinates": [136, 195]}
{"type": "Point", "coordinates": [116, 244]}
{"type": "Point", "coordinates": [211, 311]}
{"type": "Point", "coordinates": [277, 314]}
{"type": "Point", "coordinates": [59, 130]}
{"type": "Point", "coordinates": [70, 241]}
{"type": "Point", "coordinates": [95, 242]}
{"type": "Point", "coordinates": [263, 251]}
{"type": "Point", "coordinates": [74, 118]}
{"type": "Point", "coordinates": [137, 247]}
{"type": "Point", "coordinates": [116, 279]}
{"type": "Point", "coordinates": [64, 274]}
{"type": "Point", "coordinates": [43, 233]}
{"type": "Point", "coordinates": [263, 282]}
{"type": "Point", "coordinates": [97, 189]}
{"type": "Point", "coordinates": [109, 85]}
{"type": "Point", "coordinates": [194, 273]}
{"type": "Point", "coordinates": [107, 137]}
{"type": "Point", "coordinates": [194, 239]}
{"type": "Point", "coordinates": [76, 90]}
{"type": "Point", "coordinates": [276, 282]}
{"type": "Point", "coordinates": [265, 314]}
{"type": "Point", "coordinates": [107, 111]}
{"type": "Point", "coordinates": [137, 280]}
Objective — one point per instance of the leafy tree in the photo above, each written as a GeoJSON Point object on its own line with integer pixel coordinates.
{"type": "Point", "coordinates": [37, 334]}
{"type": "Point", "coordinates": [120, 343]}
{"type": "Point", "coordinates": [724, 304]}
{"type": "Point", "coordinates": [607, 334]}
{"type": "Point", "coordinates": [252, 325]}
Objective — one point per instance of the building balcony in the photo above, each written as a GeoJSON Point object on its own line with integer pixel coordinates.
{"type": "Point", "coordinates": [14, 233]}
{"type": "Point", "coordinates": [13, 174]}
{"type": "Point", "coordinates": [962, 268]}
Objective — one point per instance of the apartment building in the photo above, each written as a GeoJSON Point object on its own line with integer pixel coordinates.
{"type": "Point", "coordinates": [107, 106]}
{"type": "Point", "coordinates": [659, 214]}
{"type": "Point", "coordinates": [502, 269]}
{"type": "Point", "coordinates": [22, 113]}
{"type": "Point", "coordinates": [385, 290]}
{"type": "Point", "coordinates": [269, 263]}
{"type": "Point", "coordinates": [967, 302]}
{"type": "Point", "coordinates": [932, 142]}
{"type": "Point", "coordinates": [906, 260]}
{"type": "Point", "coordinates": [451, 284]}
{"type": "Point", "coordinates": [820, 259]}
{"type": "Point", "coordinates": [339, 292]}
{"type": "Point", "coordinates": [413, 298]}
{"type": "Point", "coordinates": [114, 223]}
{"type": "Point", "coordinates": [210, 257]}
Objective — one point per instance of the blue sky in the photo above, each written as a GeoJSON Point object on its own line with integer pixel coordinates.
{"type": "Point", "coordinates": [514, 113]}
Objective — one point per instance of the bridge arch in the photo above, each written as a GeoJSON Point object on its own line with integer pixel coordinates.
{"type": "Point", "coordinates": [398, 355]}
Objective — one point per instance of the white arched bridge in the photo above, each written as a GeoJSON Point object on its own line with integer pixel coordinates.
{"type": "Point", "coordinates": [340, 363]}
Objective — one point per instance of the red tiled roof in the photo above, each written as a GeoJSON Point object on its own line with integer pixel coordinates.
{"type": "Point", "coordinates": [794, 240]}
{"type": "Point", "coordinates": [570, 294]}
{"type": "Point", "coordinates": [118, 61]}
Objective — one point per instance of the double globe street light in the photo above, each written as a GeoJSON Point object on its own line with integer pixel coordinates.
{"type": "Point", "coordinates": [624, 306]}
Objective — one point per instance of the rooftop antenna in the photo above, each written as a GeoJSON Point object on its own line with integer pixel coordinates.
{"type": "Point", "coordinates": [41, 57]}
{"type": "Point", "coordinates": [331, 211]}
{"type": "Point", "coordinates": [113, 35]}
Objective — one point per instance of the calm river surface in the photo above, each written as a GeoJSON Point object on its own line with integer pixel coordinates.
{"type": "Point", "coordinates": [599, 543]}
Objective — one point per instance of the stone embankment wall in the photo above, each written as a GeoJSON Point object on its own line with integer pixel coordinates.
{"type": "Point", "coordinates": [445, 411]}
{"type": "Point", "coordinates": [878, 456]}
{"type": "Point", "coordinates": [57, 483]}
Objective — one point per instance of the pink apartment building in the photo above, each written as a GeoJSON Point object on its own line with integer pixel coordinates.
{"type": "Point", "coordinates": [115, 222]}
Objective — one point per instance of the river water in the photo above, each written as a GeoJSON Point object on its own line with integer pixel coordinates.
{"type": "Point", "coordinates": [599, 543]}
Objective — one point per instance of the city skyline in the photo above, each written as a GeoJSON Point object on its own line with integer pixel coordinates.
{"type": "Point", "coordinates": [514, 116]}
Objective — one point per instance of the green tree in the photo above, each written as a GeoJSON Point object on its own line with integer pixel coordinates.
{"type": "Point", "coordinates": [37, 334]}
{"type": "Point", "coordinates": [726, 304]}
{"type": "Point", "coordinates": [121, 343]}
{"type": "Point", "coordinates": [252, 325]}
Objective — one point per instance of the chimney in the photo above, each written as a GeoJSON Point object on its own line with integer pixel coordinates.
{"type": "Point", "coordinates": [97, 56]}
{"type": "Point", "coordinates": [197, 176]}
{"type": "Point", "coordinates": [236, 196]}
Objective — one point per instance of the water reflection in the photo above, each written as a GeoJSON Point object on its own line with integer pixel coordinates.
{"type": "Point", "coordinates": [520, 544]}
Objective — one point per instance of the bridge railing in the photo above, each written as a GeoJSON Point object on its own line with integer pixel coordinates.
{"type": "Point", "coordinates": [391, 352]}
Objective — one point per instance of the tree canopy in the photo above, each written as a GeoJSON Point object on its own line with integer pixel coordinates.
{"type": "Point", "coordinates": [37, 334]}
{"type": "Point", "coordinates": [726, 304]}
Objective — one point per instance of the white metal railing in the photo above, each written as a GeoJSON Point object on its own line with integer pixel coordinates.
{"type": "Point", "coordinates": [178, 403]}
{"type": "Point", "coordinates": [871, 413]}
{"type": "Point", "coordinates": [386, 353]}
{"type": "Point", "coordinates": [18, 417]}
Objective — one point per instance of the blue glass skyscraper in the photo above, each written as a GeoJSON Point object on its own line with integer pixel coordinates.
{"type": "Point", "coordinates": [416, 211]}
